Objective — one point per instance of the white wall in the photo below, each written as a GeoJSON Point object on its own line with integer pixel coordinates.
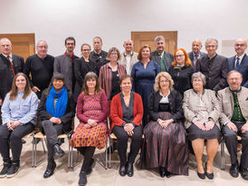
{"type": "Point", "coordinates": [113, 20]}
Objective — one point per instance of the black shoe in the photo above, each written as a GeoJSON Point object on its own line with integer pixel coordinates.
{"type": "Point", "coordinates": [201, 175]}
{"type": "Point", "coordinates": [244, 173]}
{"type": "Point", "coordinates": [167, 174]}
{"type": "Point", "coordinates": [82, 178]}
{"type": "Point", "coordinates": [5, 169]}
{"type": "Point", "coordinates": [234, 171]}
{"type": "Point", "coordinates": [50, 169]}
{"type": "Point", "coordinates": [209, 175]}
{"type": "Point", "coordinates": [129, 169]}
{"type": "Point", "coordinates": [61, 141]}
{"type": "Point", "coordinates": [13, 170]}
{"type": "Point", "coordinates": [58, 152]}
{"type": "Point", "coordinates": [162, 171]}
{"type": "Point", "coordinates": [89, 169]}
{"type": "Point", "coordinates": [122, 170]}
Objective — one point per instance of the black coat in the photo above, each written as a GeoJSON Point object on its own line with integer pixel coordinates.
{"type": "Point", "coordinates": [6, 75]}
{"type": "Point", "coordinates": [81, 68]}
{"type": "Point", "coordinates": [66, 119]}
{"type": "Point", "coordinates": [175, 101]}
{"type": "Point", "coordinates": [215, 70]}
{"type": "Point", "coordinates": [181, 78]}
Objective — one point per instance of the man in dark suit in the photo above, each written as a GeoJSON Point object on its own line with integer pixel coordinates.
{"type": "Point", "coordinates": [160, 56]}
{"type": "Point", "coordinates": [239, 62]}
{"type": "Point", "coordinates": [196, 53]}
{"type": "Point", "coordinates": [10, 65]}
{"type": "Point", "coordinates": [213, 66]}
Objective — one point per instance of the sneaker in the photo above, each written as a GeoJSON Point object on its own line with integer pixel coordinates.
{"type": "Point", "coordinates": [13, 170]}
{"type": "Point", "coordinates": [5, 169]}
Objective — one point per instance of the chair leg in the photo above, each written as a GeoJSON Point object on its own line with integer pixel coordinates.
{"type": "Point", "coordinates": [33, 157]}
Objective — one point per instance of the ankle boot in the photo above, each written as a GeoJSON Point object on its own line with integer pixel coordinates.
{"type": "Point", "coordinates": [82, 178]}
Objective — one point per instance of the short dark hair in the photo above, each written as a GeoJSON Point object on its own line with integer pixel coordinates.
{"type": "Point", "coordinates": [125, 76]}
{"type": "Point", "coordinates": [70, 38]}
{"type": "Point", "coordinates": [97, 37]}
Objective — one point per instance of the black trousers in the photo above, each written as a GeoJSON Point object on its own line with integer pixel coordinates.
{"type": "Point", "coordinates": [52, 131]}
{"type": "Point", "coordinates": [13, 140]}
{"type": "Point", "coordinates": [231, 144]}
{"type": "Point", "coordinates": [122, 139]}
{"type": "Point", "coordinates": [88, 153]}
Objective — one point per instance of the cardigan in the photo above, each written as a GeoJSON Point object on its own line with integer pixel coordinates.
{"type": "Point", "coordinates": [116, 112]}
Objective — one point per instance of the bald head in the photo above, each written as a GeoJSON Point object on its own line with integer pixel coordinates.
{"type": "Point", "coordinates": [196, 46]}
{"type": "Point", "coordinates": [240, 46]}
{"type": "Point", "coordinates": [128, 45]}
{"type": "Point", "coordinates": [5, 46]}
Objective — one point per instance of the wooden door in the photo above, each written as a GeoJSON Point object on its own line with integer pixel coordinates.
{"type": "Point", "coordinates": [22, 44]}
{"type": "Point", "coordinates": [147, 38]}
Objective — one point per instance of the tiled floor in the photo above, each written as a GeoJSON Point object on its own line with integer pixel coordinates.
{"type": "Point", "coordinates": [33, 176]}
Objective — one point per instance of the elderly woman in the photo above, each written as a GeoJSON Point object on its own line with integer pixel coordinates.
{"type": "Point", "coordinates": [165, 138]}
{"type": "Point", "coordinates": [81, 67]}
{"type": "Point", "coordinates": [92, 109]}
{"type": "Point", "coordinates": [19, 118]}
{"type": "Point", "coordinates": [56, 114]}
{"type": "Point", "coordinates": [143, 74]}
{"type": "Point", "coordinates": [202, 111]}
{"type": "Point", "coordinates": [110, 74]}
{"type": "Point", "coordinates": [126, 114]}
{"type": "Point", "coordinates": [181, 71]}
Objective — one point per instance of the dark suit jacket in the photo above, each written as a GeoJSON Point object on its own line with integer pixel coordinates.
{"type": "Point", "coordinates": [191, 57]}
{"type": "Point", "coordinates": [167, 60]}
{"type": "Point", "coordinates": [243, 69]}
{"type": "Point", "coordinates": [6, 75]}
{"type": "Point", "coordinates": [215, 70]}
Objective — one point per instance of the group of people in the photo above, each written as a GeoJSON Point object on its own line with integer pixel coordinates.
{"type": "Point", "coordinates": [174, 100]}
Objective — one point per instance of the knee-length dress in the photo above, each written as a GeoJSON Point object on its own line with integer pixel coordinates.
{"type": "Point", "coordinates": [144, 79]}
{"type": "Point", "coordinates": [166, 147]}
{"type": "Point", "coordinates": [91, 107]}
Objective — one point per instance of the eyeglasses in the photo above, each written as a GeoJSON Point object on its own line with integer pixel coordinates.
{"type": "Point", "coordinates": [239, 45]}
{"type": "Point", "coordinates": [86, 50]}
{"type": "Point", "coordinates": [211, 46]}
{"type": "Point", "coordinates": [114, 54]}
{"type": "Point", "coordinates": [177, 56]}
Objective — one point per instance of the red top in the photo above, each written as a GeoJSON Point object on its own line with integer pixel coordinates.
{"type": "Point", "coordinates": [116, 112]}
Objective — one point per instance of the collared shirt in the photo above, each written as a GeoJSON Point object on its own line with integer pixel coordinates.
{"type": "Point", "coordinates": [198, 56]}
{"type": "Point", "coordinates": [10, 56]}
{"type": "Point", "coordinates": [240, 58]}
{"type": "Point", "coordinates": [19, 109]}
{"type": "Point", "coordinates": [212, 56]}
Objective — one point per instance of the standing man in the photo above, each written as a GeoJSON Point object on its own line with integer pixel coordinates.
{"type": "Point", "coordinates": [196, 53]}
{"type": "Point", "coordinates": [98, 55]}
{"type": "Point", "coordinates": [234, 118]}
{"type": "Point", "coordinates": [40, 66]}
{"type": "Point", "coordinates": [213, 66]}
{"type": "Point", "coordinates": [239, 62]}
{"type": "Point", "coordinates": [160, 56]}
{"type": "Point", "coordinates": [64, 63]}
{"type": "Point", "coordinates": [128, 57]}
{"type": "Point", "coordinates": [10, 65]}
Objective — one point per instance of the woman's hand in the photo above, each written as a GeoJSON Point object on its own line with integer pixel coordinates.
{"type": "Point", "coordinates": [87, 126]}
{"type": "Point", "coordinates": [92, 122]}
{"type": "Point", "coordinates": [129, 129]}
{"type": "Point", "coordinates": [55, 120]}
{"type": "Point", "coordinates": [200, 125]}
{"type": "Point", "coordinates": [210, 125]}
{"type": "Point", "coordinates": [165, 123]}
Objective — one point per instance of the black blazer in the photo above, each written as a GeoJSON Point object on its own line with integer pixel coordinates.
{"type": "Point", "coordinates": [175, 101]}
{"type": "Point", "coordinates": [66, 119]}
{"type": "Point", "coordinates": [6, 75]}
{"type": "Point", "coordinates": [215, 70]}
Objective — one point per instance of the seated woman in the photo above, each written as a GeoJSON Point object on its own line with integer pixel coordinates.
{"type": "Point", "coordinates": [56, 114]}
{"type": "Point", "coordinates": [165, 138]}
{"type": "Point", "coordinates": [201, 111]}
{"type": "Point", "coordinates": [181, 71]}
{"type": "Point", "coordinates": [126, 115]}
{"type": "Point", "coordinates": [92, 110]}
{"type": "Point", "coordinates": [19, 118]}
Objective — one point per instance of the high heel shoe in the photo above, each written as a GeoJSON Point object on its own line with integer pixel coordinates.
{"type": "Point", "coordinates": [201, 175]}
{"type": "Point", "coordinates": [209, 175]}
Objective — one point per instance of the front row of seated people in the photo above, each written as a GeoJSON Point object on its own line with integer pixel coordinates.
{"type": "Point", "coordinates": [165, 142]}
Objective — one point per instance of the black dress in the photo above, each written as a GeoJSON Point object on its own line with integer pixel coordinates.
{"type": "Point", "coordinates": [166, 147]}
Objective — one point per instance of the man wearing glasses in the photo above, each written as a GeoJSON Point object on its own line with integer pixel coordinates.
{"type": "Point", "coordinates": [213, 66]}
{"type": "Point", "coordinates": [239, 62]}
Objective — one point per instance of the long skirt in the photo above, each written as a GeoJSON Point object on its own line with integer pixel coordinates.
{"type": "Point", "coordinates": [165, 147]}
{"type": "Point", "coordinates": [95, 137]}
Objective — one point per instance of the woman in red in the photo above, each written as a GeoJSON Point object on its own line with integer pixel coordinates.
{"type": "Point", "coordinates": [126, 115]}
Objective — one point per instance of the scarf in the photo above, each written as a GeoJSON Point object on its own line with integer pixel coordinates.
{"type": "Point", "coordinates": [61, 103]}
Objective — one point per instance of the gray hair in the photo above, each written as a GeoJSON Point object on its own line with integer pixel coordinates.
{"type": "Point", "coordinates": [233, 71]}
{"type": "Point", "coordinates": [199, 75]}
{"type": "Point", "coordinates": [40, 42]}
{"type": "Point", "coordinates": [158, 38]}
{"type": "Point", "coordinates": [5, 39]}
{"type": "Point", "coordinates": [211, 39]}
